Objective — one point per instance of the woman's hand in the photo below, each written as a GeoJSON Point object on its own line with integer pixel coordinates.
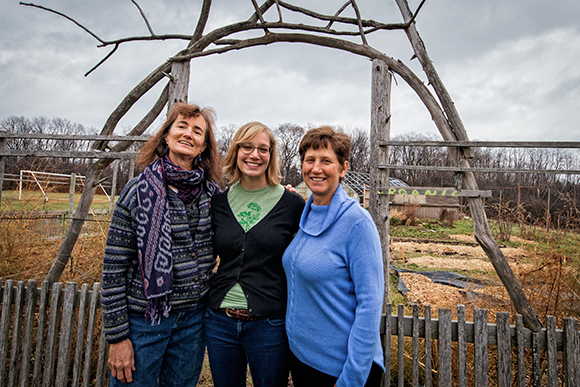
{"type": "Point", "coordinates": [290, 188]}
{"type": "Point", "coordinates": [121, 361]}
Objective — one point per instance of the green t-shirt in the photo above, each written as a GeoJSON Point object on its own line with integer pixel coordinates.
{"type": "Point", "coordinates": [249, 207]}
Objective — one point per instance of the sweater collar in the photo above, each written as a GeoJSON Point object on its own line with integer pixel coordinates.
{"type": "Point", "coordinates": [338, 205]}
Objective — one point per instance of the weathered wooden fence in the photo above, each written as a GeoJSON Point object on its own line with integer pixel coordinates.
{"type": "Point", "coordinates": [53, 337]}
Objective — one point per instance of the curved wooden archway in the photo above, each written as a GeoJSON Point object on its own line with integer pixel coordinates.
{"type": "Point", "coordinates": [176, 69]}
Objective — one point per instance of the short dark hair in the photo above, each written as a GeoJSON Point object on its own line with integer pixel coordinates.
{"type": "Point", "coordinates": [325, 137]}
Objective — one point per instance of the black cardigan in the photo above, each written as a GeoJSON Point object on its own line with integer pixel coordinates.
{"type": "Point", "coordinates": [254, 259]}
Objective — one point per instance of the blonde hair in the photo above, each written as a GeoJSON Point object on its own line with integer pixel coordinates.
{"type": "Point", "coordinates": [244, 135]}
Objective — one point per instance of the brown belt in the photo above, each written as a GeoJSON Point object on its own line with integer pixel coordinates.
{"type": "Point", "coordinates": [240, 314]}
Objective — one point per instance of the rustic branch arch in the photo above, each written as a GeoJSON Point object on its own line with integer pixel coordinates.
{"type": "Point", "coordinates": [176, 69]}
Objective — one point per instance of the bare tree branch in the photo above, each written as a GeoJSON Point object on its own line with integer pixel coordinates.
{"type": "Point", "coordinates": [279, 11]}
{"type": "Point", "coordinates": [102, 60]}
{"type": "Point", "coordinates": [201, 23]}
{"type": "Point", "coordinates": [359, 22]}
{"type": "Point", "coordinates": [66, 17]}
{"type": "Point", "coordinates": [338, 13]}
{"type": "Point", "coordinates": [259, 13]}
{"type": "Point", "coordinates": [144, 18]}
{"type": "Point", "coordinates": [417, 12]}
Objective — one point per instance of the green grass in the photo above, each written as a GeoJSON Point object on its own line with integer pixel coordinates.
{"type": "Point", "coordinates": [34, 200]}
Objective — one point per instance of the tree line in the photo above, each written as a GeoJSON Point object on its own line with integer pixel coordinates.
{"type": "Point", "coordinates": [536, 195]}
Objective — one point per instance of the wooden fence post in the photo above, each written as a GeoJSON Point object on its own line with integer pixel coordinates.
{"type": "Point", "coordinates": [2, 163]}
{"type": "Point", "coordinates": [113, 186]}
{"type": "Point", "coordinates": [380, 131]}
{"type": "Point", "coordinates": [71, 194]}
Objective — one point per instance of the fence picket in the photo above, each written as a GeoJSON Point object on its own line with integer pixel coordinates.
{"type": "Point", "coordinates": [504, 369]}
{"type": "Point", "coordinates": [31, 290]}
{"type": "Point", "coordinates": [39, 352]}
{"type": "Point", "coordinates": [480, 347]}
{"type": "Point", "coordinates": [445, 337]}
{"type": "Point", "coordinates": [461, 347]}
{"type": "Point", "coordinates": [401, 345]}
{"type": "Point", "coordinates": [428, 348]}
{"type": "Point", "coordinates": [552, 361]}
{"type": "Point", "coordinates": [536, 372]}
{"type": "Point", "coordinates": [415, 346]}
{"type": "Point", "coordinates": [571, 352]}
{"type": "Point", "coordinates": [82, 319]}
{"type": "Point", "coordinates": [91, 333]}
{"type": "Point", "coordinates": [51, 336]}
{"type": "Point", "coordinates": [520, 341]}
{"type": "Point", "coordinates": [387, 345]}
{"type": "Point", "coordinates": [66, 334]}
{"type": "Point", "coordinates": [5, 327]}
{"type": "Point", "coordinates": [16, 333]}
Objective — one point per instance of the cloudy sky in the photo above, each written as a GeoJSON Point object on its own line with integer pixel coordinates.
{"type": "Point", "coordinates": [512, 67]}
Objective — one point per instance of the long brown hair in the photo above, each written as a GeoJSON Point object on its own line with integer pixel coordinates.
{"type": "Point", "coordinates": [156, 147]}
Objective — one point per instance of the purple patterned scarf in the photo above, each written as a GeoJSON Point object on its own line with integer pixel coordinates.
{"type": "Point", "coordinates": [154, 227]}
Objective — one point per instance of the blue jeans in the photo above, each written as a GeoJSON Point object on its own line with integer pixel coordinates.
{"type": "Point", "coordinates": [171, 352]}
{"type": "Point", "coordinates": [234, 344]}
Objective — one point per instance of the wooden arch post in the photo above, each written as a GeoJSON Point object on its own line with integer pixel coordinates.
{"type": "Point", "coordinates": [380, 131]}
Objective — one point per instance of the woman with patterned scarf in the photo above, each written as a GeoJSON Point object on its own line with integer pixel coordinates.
{"type": "Point", "coordinates": [159, 256]}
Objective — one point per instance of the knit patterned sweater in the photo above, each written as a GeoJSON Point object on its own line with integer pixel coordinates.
{"type": "Point", "coordinates": [122, 288]}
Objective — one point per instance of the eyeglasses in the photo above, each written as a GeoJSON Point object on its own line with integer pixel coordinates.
{"type": "Point", "coordinates": [262, 150]}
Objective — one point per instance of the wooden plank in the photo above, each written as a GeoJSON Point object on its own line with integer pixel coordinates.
{"type": "Point", "coordinates": [69, 154]}
{"type": "Point", "coordinates": [481, 169]}
{"type": "Point", "coordinates": [520, 350]}
{"type": "Point", "coordinates": [102, 371]}
{"type": "Point", "coordinates": [461, 347]}
{"type": "Point", "coordinates": [81, 325]}
{"type": "Point", "coordinates": [552, 351]}
{"type": "Point", "coordinates": [537, 370]}
{"type": "Point", "coordinates": [74, 137]}
{"type": "Point", "coordinates": [428, 348]}
{"type": "Point", "coordinates": [434, 191]}
{"type": "Point", "coordinates": [504, 375]}
{"type": "Point", "coordinates": [401, 346]}
{"type": "Point", "coordinates": [480, 347]}
{"type": "Point", "coordinates": [571, 352]}
{"type": "Point", "coordinates": [27, 332]}
{"type": "Point", "coordinates": [16, 334]}
{"type": "Point", "coordinates": [66, 334]}
{"type": "Point", "coordinates": [40, 336]}
{"type": "Point", "coordinates": [415, 380]}
{"type": "Point", "coordinates": [486, 144]}
{"type": "Point", "coordinates": [5, 327]}
{"type": "Point", "coordinates": [51, 336]}
{"type": "Point", "coordinates": [387, 345]}
{"type": "Point", "coordinates": [445, 368]}
{"type": "Point", "coordinates": [95, 296]}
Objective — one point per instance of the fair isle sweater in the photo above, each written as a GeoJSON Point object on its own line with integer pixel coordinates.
{"type": "Point", "coordinates": [335, 279]}
{"type": "Point", "coordinates": [122, 288]}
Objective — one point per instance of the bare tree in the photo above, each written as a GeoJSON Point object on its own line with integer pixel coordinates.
{"type": "Point", "coordinates": [359, 150]}
{"type": "Point", "coordinates": [176, 69]}
{"type": "Point", "coordinates": [288, 137]}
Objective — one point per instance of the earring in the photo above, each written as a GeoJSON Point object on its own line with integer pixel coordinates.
{"type": "Point", "coordinates": [199, 159]}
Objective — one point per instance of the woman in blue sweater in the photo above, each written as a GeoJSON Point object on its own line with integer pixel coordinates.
{"type": "Point", "coordinates": [254, 221]}
{"type": "Point", "coordinates": [335, 276]}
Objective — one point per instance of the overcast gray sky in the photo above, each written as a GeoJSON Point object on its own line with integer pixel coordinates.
{"type": "Point", "coordinates": [512, 67]}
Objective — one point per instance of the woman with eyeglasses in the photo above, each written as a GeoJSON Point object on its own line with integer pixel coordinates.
{"type": "Point", "coordinates": [254, 221]}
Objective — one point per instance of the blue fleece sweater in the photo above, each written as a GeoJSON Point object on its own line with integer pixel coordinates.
{"type": "Point", "coordinates": [334, 270]}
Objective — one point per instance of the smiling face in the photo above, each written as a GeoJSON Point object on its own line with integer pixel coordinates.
{"type": "Point", "coordinates": [186, 140]}
{"type": "Point", "coordinates": [322, 172]}
{"type": "Point", "coordinates": [253, 165]}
